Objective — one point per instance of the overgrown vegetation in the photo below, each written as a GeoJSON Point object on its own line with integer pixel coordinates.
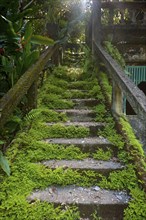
{"type": "Point", "coordinates": [101, 154]}
{"type": "Point", "coordinates": [114, 52]}
{"type": "Point", "coordinates": [134, 157]}
{"type": "Point", "coordinates": [29, 148]}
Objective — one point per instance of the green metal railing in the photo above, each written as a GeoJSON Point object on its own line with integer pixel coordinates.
{"type": "Point", "coordinates": [137, 74]}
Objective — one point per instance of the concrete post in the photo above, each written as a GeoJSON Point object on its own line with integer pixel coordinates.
{"type": "Point", "coordinates": [117, 100]}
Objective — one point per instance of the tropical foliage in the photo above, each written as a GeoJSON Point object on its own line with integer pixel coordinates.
{"type": "Point", "coordinates": [22, 22]}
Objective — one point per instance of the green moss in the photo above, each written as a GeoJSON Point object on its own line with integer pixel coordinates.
{"type": "Point", "coordinates": [27, 176]}
{"type": "Point", "coordinates": [106, 85]}
{"type": "Point", "coordinates": [28, 148]}
{"type": "Point", "coordinates": [49, 88]}
{"type": "Point", "coordinates": [67, 73]}
{"type": "Point", "coordinates": [57, 82]}
{"type": "Point", "coordinates": [101, 111]}
{"type": "Point", "coordinates": [18, 208]}
{"type": "Point", "coordinates": [124, 179]}
{"type": "Point", "coordinates": [136, 147]}
{"type": "Point", "coordinates": [74, 94]}
{"type": "Point", "coordinates": [40, 131]}
{"type": "Point", "coordinates": [100, 154]}
{"type": "Point", "coordinates": [84, 85]}
{"type": "Point", "coordinates": [96, 92]}
{"type": "Point", "coordinates": [137, 207]}
{"type": "Point", "coordinates": [39, 151]}
{"type": "Point", "coordinates": [111, 134]}
{"type": "Point", "coordinates": [43, 115]}
{"type": "Point", "coordinates": [114, 52]}
{"type": "Point", "coordinates": [53, 101]}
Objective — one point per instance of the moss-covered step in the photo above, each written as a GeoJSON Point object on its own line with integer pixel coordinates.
{"type": "Point", "coordinates": [83, 85]}
{"type": "Point", "coordinates": [75, 93]}
{"type": "Point", "coordinates": [102, 167]}
{"type": "Point", "coordinates": [107, 204]}
{"type": "Point", "coordinates": [92, 126]}
{"type": "Point", "coordinates": [85, 103]}
{"type": "Point", "coordinates": [77, 115]}
{"type": "Point", "coordinates": [90, 144]}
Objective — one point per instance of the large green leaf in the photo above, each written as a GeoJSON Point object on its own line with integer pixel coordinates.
{"type": "Point", "coordinates": [28, 32]}
{"type": "Point", "coordinates": [4, 164]}
{"type": "Point", "coordinates": [41, 40]}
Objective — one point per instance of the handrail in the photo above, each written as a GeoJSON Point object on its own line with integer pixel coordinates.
{"type": "Point", "coordinates": [134, 95]}
{"type": "Point", "coordinates": [12, 98]}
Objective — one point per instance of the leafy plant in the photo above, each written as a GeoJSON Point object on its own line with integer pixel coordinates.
{"type": "Point", "coordinates": [114, 52]}
{"type": "Point", "coordinates": [137, 206]}
{"type": "Point", "coordinates": [4, 164]}
{"type": "Point", "coordinates": [53, 101]}
{"type": "Point", "coordinates": [100, 154]}
{"type": "Point", "coordinates": [100, 112]}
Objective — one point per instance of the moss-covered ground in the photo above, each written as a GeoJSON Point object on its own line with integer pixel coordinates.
{"type": "Point", "coordinates": [28, 149]}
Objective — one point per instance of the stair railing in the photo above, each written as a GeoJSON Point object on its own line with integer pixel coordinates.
{"type": "Point", "coordinates": [122, 85]}
{"type": "Point", "coordinates": [27, 84]}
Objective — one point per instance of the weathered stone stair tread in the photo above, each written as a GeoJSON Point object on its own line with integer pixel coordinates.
{"type": "Point", "coordinates": [88, 100]}
{"type": "Point", "coordinates": [82, 124]}
{"type": "Point", "coordinates": [80, 141]}
{"type": "Point", "coordinates": [84, 103]}
{"type": "Point", "coordinates": [92, 126]}
{"type": "Point", "coordinates": [76, 90]}
{"type": "Point", "coordinates": [86, 164]}
{"type": "Point", "coordinates": [76, 111]}
{"type": "Point", "coordinates": [82, 115]}
{"type": "Point", "coordinates": [80, 195]}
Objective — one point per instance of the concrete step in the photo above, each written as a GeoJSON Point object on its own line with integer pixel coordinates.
{"type": "Point", "coordinates": [84, 103]}
{"type": "Point", "coordinates": [80, 90]}
{"type": "Point", "coordinates": [76, 93]}
{"type": "Point", "coordinates": [75, 85]}
{"type": "Point", "coordinates": [90, 144]}
{"type": "Point", "coordinates": [99, 166]}
{"type": "Point", "coordinates": [93, 126]}
{"type": "Point", "coordinates": [109, 204]}
{"type": "Point", "coordinates": [76, 115]}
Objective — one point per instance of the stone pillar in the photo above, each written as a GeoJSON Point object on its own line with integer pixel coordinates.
{"type": "Point", "coordinates": [117, 100]}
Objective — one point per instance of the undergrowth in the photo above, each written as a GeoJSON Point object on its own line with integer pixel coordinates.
{"type": "Point", "coordinates": [127, 178]}
{"type": "Point", "coordinates": [28, 149]}
{"type": "Point", "coordinates": [101, 154]}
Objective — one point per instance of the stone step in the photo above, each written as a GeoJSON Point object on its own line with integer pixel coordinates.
{"type": "Point", "coordinates": [86, 103]}
{"type": "Point", "coordinates": [79, 94]}
{"type": "Point", "coordinates": [76, 115]}
{"type": "Point", "coordinates": [99, 166]}
{"type": "Point", "coordinates": [93, 126]}
{"type": "Point", "coordinates": [73, 85]}
{"type": "Point", "coordinates": [109, 204]}
{"type": "Point", "coordinates": [80, 90]}
{"type": "Point", "coordinates": [90, 144]}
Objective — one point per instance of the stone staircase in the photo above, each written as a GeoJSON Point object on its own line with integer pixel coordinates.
{"type": "Point", "coordinates": [104, 204]}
